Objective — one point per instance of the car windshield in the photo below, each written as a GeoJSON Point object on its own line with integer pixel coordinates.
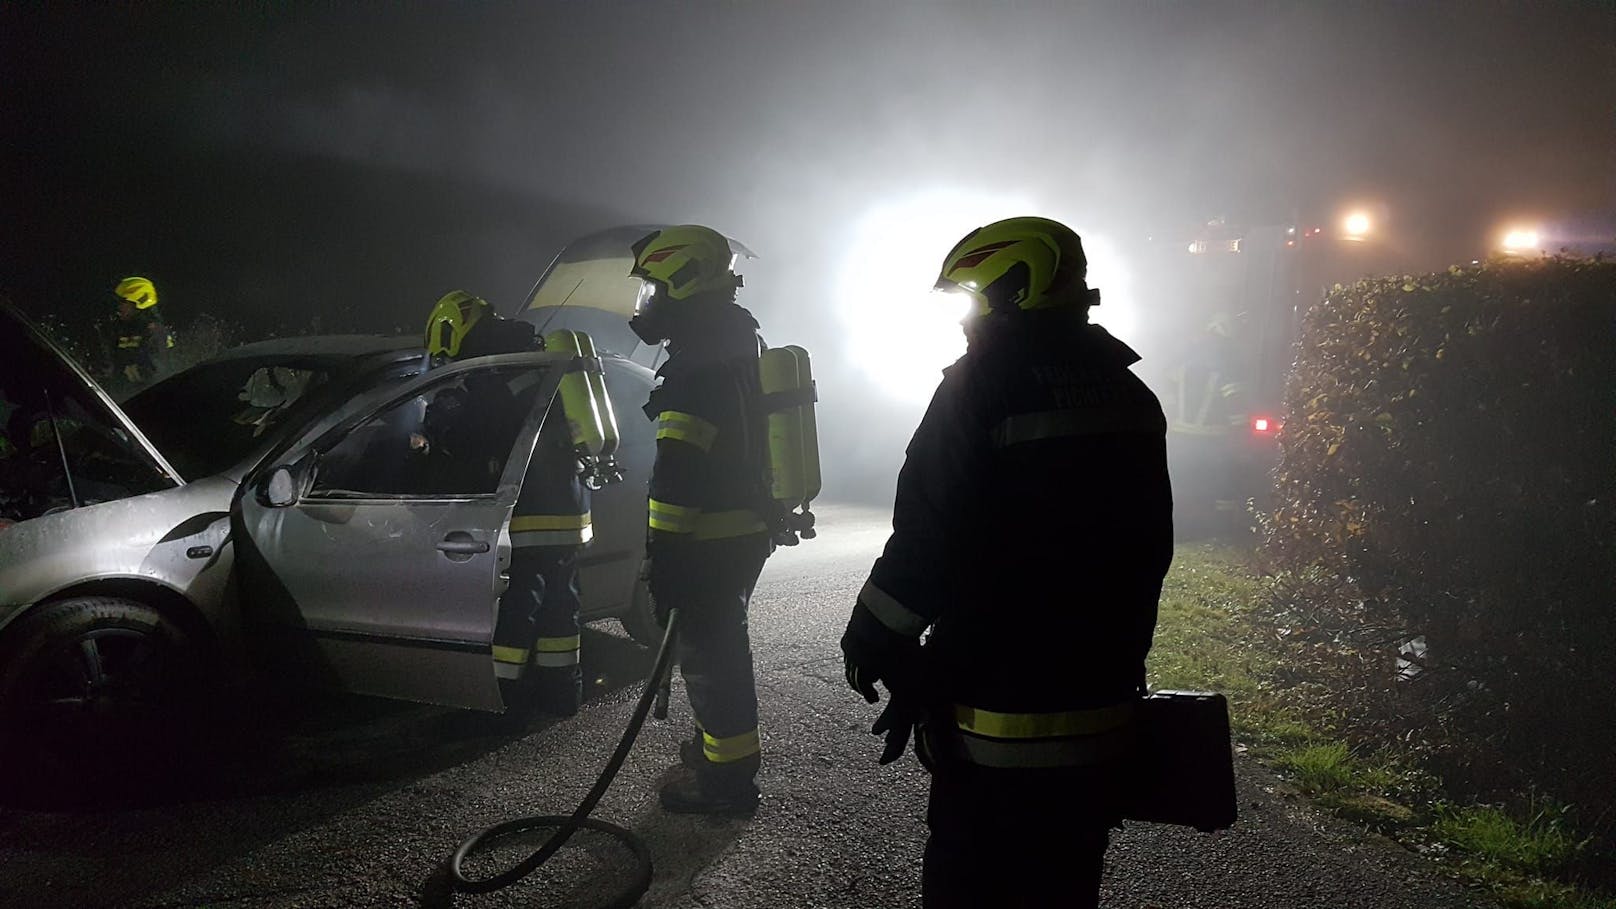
{"type": "Point", "coordinates": [209, 417]}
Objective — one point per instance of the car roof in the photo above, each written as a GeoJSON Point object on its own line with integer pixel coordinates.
{"type": "Point", "coordinates": [323, 346]}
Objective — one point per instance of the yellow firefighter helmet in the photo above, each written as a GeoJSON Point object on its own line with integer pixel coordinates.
{"type": "Point", "coordinates": [452, 318]}
{"type": "Point", "coordinates": [684, 261]}
{"type": "Point", "coordinates": [137, 290]}
{"type": "Point", "coordinates": [1019, 264]}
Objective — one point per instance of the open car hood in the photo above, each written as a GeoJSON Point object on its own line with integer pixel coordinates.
{"type": "Point", "coordinates": [38, 350]}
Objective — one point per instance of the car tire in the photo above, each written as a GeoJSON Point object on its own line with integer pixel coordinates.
{"type": "Point", "coordinates": [640, 619]}
{"type": "Point", "coordinates": [95, 687]}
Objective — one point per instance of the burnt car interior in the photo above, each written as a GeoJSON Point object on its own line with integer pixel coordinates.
{"type": "Point", "coordinates": [59, 447]}
{"type": "Point", "coordinates": [452, 439]}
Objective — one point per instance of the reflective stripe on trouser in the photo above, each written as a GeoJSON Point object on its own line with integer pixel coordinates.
{"type": "Point", "coordinates": [558, 651]}
{"type": "Point", "coordinates": [686, 427]}
{"type": "Point", "coordinates": [538, 615]}
{"type": "Point", "coordinates": [731, 749]}
{"type": "Point", "coordinates": [1073, 738]}
{"type": "Point", "coordinates": [670, 518]}
{"type": "Point", "coordinates": [704, 525]}
{"type": "Point", "coordinates": [551, 529]}
{"type": "Point", "coordinates": [714, 650]}
{"type": "Point", "coordinates": [721, 525]}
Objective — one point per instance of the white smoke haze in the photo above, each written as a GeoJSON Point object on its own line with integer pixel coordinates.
{"type": "Point", "coordinates": [851, 144]}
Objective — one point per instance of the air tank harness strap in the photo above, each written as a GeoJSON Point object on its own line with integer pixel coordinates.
{"type": "Point", "coordinates": [784, 400]}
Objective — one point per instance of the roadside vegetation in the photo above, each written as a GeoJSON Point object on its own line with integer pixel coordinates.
{"type": "Point", "coordinates": [1423, 640]}
{"type": "Point", "coordinates": [1224, 627]}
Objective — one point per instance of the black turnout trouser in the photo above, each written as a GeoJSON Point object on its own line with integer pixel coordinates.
{"type": "Point", "coordinates": [538, 632]}
{"type": "Point", "coordinates": [711, 586]}
{"type": "Point", "coordinates": [1016, 839]}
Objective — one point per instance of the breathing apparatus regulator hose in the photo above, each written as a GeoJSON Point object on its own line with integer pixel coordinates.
{"type": "Point", "coordinates": [579, 819]}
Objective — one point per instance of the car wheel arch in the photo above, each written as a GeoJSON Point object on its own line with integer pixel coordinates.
{"type": "Point", "coordinates": [169, 603]}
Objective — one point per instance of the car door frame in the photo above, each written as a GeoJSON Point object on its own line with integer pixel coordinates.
{"type": "Point", "coordinates": [388, 665]}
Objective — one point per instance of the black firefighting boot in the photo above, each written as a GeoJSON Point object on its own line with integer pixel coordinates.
{"type": "Point", "coordinates": [555, 691]}
{"type": "Point", "coordinates": [720, 789]}
{"type": "Point", "coordinates": [690, 752]}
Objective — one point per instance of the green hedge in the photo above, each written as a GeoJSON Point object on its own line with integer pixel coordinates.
{"type": "Point", "coordinates": [1449, 447]}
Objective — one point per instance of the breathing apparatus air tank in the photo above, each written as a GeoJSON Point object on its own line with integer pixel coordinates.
{"type": "Point", "coordinates": [587, 407]}
{"type": "Point", "coordinates": [787, 382]}
{"type": "Point", "coordinates": [595, 373]}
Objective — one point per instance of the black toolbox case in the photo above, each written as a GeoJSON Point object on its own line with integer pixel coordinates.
{"type": "Point", "coordinates": [1185, 766]}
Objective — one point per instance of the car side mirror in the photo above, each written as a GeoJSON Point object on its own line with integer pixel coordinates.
{"type": "Point", "coordinates": [279, 489]}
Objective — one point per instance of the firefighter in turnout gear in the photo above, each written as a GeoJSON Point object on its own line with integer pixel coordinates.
{"type": "Point", "coordinates": [536, 637]}
{"type": "Point", "coordinates": [708, 538]}
{"type": "Point", "coordinates": [1207, 422]}
{"type": "Point", "coordinates": [136, 336]}
{"type": "Point", "coordinates": [1031, 532]}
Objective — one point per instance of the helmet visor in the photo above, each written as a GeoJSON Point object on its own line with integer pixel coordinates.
{"type": "Point", "coordinates": [651, 293]}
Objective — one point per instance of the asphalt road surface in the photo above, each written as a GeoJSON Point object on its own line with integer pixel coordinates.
{"type": "Point", "coordinates": [357, 802]}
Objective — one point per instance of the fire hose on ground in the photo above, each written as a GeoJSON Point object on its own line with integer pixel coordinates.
{"type": "Point", "coordinates": [656, 689]}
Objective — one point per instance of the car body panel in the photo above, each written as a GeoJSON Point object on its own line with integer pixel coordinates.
{"type": "Point", "coordinates": [382, 609]}
{"type": "Point", "coordinates": [390, 635]}
{"type": "Point", "coordinates": [159, 537]}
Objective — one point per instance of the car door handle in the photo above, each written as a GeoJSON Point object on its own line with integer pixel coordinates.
{"type": "Point", "coordinates": [463, 546]}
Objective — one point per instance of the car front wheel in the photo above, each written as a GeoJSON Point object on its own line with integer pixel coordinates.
{"type": "Point", "coordinates": [95, 684]}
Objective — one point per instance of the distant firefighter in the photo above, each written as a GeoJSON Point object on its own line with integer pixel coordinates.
{"type": "Point", "coordinates": [1031, 532]}
{"type": "Point", "coordinates": [136, 336]}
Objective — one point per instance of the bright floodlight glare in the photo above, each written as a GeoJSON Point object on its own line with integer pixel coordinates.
{"type": "Point", "coordinates": [1356, 225]}
{"type": "Point", "coordinates": [1520, 241]}
{"type": "Point", "coordinates": [900, 331]}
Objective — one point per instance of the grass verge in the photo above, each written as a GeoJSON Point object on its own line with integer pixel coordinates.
{"type": "Point", "coordinates": [1211, 635]}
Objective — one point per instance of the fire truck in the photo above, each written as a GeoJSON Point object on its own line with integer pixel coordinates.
{"type": "Point", "coordinates": [1232, 298]}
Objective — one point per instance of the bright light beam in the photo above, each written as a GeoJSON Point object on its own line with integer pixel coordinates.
{"type": "Point", "coordinates": [1356, 225]}
{"type": "Point", "coordinates": [1520, 242]}
{"type": "Point", "coordinates": [899, 331]}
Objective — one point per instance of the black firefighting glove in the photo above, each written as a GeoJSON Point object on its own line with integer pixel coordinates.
{"type": "Point", "coordinates": [872, 653]}
{"type": "Point", "coordinates": [897, 722]}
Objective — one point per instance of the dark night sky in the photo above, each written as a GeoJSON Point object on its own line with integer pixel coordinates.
{"type": "Point", "coordinates": [361, 158]}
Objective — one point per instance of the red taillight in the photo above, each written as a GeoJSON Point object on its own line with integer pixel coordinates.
{"type": "Point", "coordinates": [1262, 424]}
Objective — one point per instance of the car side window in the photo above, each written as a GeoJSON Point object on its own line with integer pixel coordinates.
{"type": "Point", "coordinates": [452, 439]}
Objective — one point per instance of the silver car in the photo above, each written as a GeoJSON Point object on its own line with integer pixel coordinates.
{"type": "Point", "coordinates": [266, 508]}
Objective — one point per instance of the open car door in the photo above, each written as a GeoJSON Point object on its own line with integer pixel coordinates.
{"type": "Point", "coordinates": [373, 556]}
